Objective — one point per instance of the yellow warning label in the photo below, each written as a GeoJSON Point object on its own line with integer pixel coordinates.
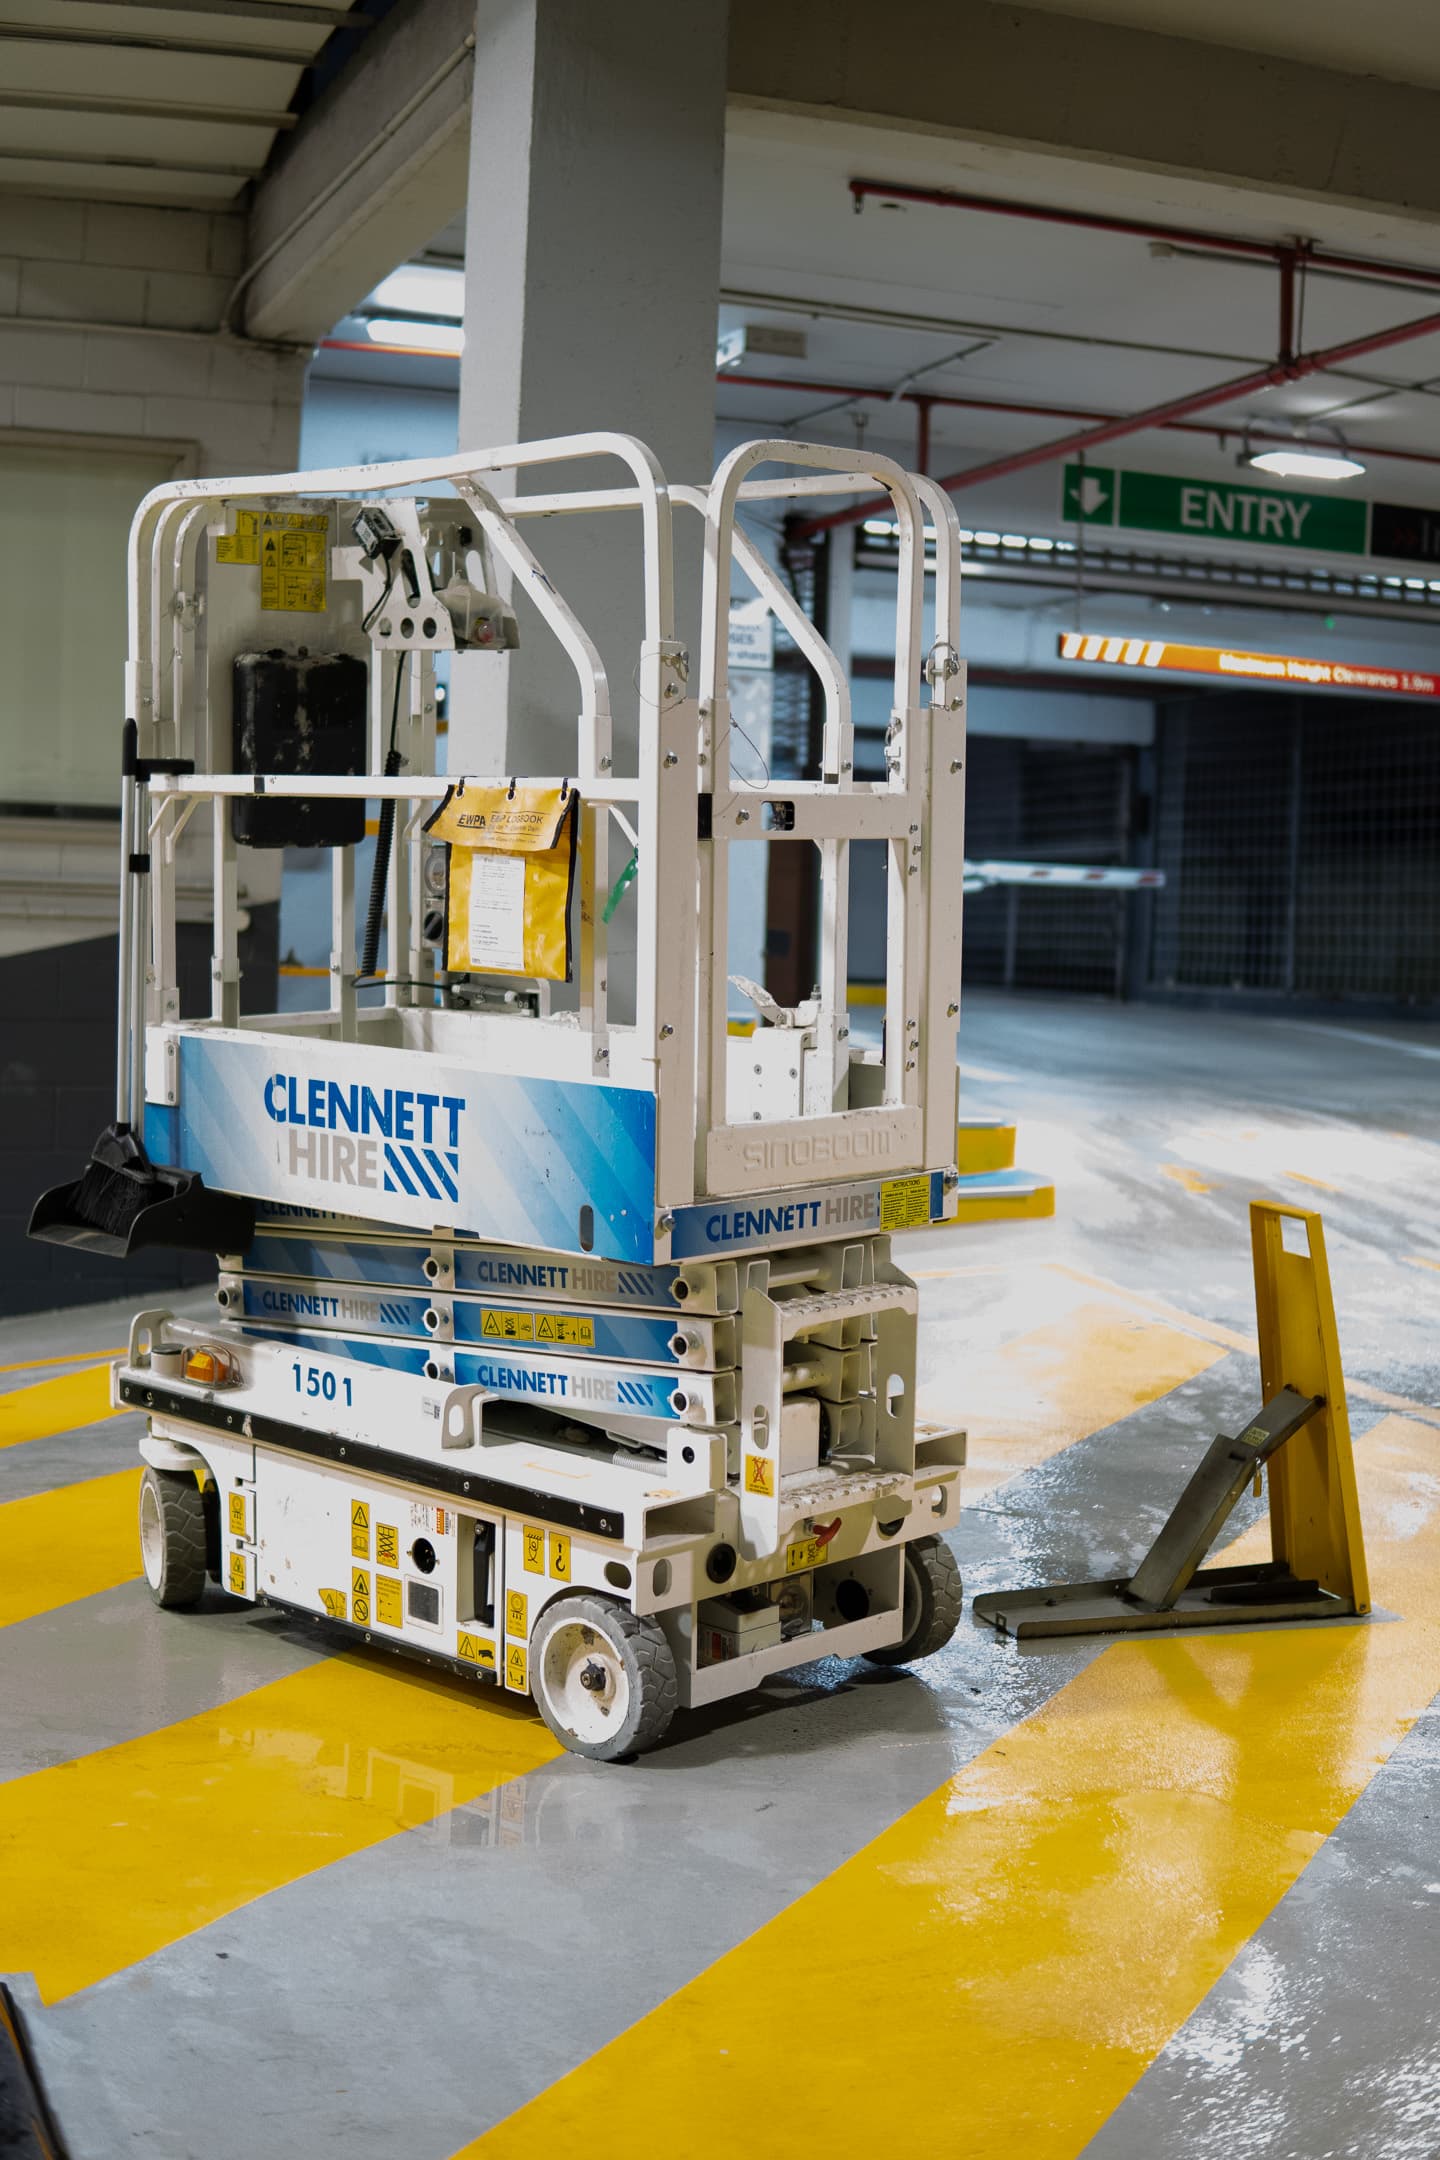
{"type": "Point", "coordinates": [237, 1574]}
{"type": "Point", "coordinates": [517, 1668]}
{"type": "Point", "coordinates": [388, 1608]}
{"type": "Point", "coordinates": [334, 1603]}
{"type": "Point", "coordinates": [905, 1202]}
{"type": "Point", "coordinates": [517, 1611]}
{"type": "Point", "coordinates": [387, 1545]}
{"type": "Point", "coordinates": [476, 1650]}
{"type": "Point", "coordinates": [760, 1475]}
{"type": "Point", "coordinates": [243, 545]}
{"type": "Point", "coordinates": [559, 1556]}
{"type": "Point", "coordinates": [533, 1549]}
{"type": "Point", "coordinates": [360, 1597]}
{"type": "Point", "coordinates": [359, 1530]}
{"type": "Point", "coordinates": [555, 1328]}
{"type": "Point", "coordinates": [237, 1514]}
{"type": "Point", "coordinates": [809, 1552]}
{"type": "Point", "coordinates": [292, 562]}
{"type": "Point", "coordinates": [577, 1328]}
{"type": "Point", "coordinates": [506, 1326]}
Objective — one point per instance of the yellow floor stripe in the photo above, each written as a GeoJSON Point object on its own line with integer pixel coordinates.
{"type": "Point", "coordinates": [67, 1544]}
{"type": "Point", "coordinates": [76, 1357]}
{"type": "Point", "coordinates": [55, 1406]}
{"type": "Point", "coordinates": [1042, 1391]}
{"type": "Point", "coordinates": [108, 1859]}
{"type": "Point", "coordinates": [1031, 1935]}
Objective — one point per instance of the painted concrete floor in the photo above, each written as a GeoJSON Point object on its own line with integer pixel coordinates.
{"type": "Point", "coordinates": [1176, 1896]}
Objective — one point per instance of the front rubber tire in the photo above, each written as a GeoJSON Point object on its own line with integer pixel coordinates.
{"type": "Point", "coordinates": [934, 1598]}
{"type": "Point", "coordinates": [172, 1537]}
{"type": "Point", "coordinates": [604, 1679]}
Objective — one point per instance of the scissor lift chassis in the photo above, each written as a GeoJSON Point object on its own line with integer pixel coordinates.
{"type": "Point", "coordinates": [608, 1358]}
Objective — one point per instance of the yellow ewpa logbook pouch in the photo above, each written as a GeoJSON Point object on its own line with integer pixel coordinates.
{"type": "Point", "coordinates": [511, 866]}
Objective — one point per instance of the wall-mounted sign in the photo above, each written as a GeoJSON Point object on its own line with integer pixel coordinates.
{"type": "Point", "coordinates": [1282, 668]}
{"type": "Point", "coordinates": [1214, 509]}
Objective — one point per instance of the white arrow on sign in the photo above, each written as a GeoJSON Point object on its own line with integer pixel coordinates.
{"type": "Point", "coordinates": [1093, 494]}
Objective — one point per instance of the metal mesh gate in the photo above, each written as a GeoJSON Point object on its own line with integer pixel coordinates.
{"type": "Point", "coordinates": [1302, 840]}
{"type": "Point", "coordinates": [1047, 802]}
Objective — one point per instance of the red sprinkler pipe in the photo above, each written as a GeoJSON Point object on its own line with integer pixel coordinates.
{"type": "Point", "coordinates": [1182, 236]}
{"type": "Point", "coordinates": [806, 387]}
{"type": "Point", "coordinates": [1154, 416]}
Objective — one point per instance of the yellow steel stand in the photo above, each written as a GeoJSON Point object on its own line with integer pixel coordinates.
{"type": "Point", "coordinates": [1314, 1508]}
{"type": "Point", "coordinates": [1300, 1433]}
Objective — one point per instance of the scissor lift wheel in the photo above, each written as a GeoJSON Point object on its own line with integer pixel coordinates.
{"type": "Point", "coordinates": [604, 1679]}
{"type": "Point", "coordinates": [933, 1599]}
{"type": "Point", "coordinates": [172, 1536]}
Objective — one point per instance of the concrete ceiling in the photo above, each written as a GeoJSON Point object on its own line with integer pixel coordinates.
{"type": "Point", "coordinates": [995, 308]}
{"type": "Point", "coordinates": [1396, 40]}
{"type": "Point", "coordinates": [157, 104]}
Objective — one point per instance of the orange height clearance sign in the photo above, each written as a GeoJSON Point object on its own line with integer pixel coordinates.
{"type": "Point", "coordinates": [1289, 668]}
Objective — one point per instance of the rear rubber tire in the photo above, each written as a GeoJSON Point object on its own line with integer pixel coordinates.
{"type": "Point", "coordinates": [934, 1599]}
{"type": "Point", "coordinates": [632, 1691]}
{"type": "Point", "coordinates": [172, 1537]}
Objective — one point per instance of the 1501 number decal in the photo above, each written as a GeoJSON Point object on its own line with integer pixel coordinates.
{"type": "Point", "coordinates": [309, 1380]}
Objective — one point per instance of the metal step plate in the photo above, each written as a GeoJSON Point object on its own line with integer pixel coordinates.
{"type": "Point", "coordinates": [590, 1387]}
{"type": "Point", "coordinates": [691, 1341]}
{"type": "Point", "coordinates": [282, 1248]}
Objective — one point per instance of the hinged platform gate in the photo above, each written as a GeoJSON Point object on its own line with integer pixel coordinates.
{"type": "Point", "coordinates": [1301, 1434]}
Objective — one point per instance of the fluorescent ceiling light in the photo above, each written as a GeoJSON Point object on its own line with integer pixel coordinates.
{"type": "Point", "coordinates": [428, 337]}
{"type": "Point", "coordinates": [419, 289]}
{"type": "Point", "coordinates": [1307, 464]}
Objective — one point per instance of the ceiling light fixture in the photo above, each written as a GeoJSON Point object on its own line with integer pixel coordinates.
{"type": "Point", "coordinates": [1306, 464]}
{"type": "Point", "coordinates": [421, 289]}
{"type": "Point", "coordinates": [444, 339]}
{"type": "Point", "coordinates": [1303, 459]}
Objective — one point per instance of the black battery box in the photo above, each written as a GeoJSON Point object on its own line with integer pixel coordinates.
{"type": "Point", "coordinates": [299, 712]}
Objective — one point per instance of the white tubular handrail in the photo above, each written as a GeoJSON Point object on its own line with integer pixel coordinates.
{"type": "Point", "coordinates": [574, 638]}
{"type": "Point", "coordinates": [725, 490]}
{"type": "Point", "coordinates": [408, 474]}
{"type": "Point", "coordinates": [945, 519]}
{"type": "Point", "coordinates": [787, 610]}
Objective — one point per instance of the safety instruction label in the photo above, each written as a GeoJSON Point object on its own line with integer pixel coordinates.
{"type": "Point", "coordinates": [905, 1202]}
{"type": "Point", "coordinates": [237, 1514]}
{"type": "Point", "coordinates": [387, 1545]}
{"type": "Point", "coordinates": [389, 1610]}
{"type": "Point", "coordinates": [576, 1329]}
{"type": "Point", "coordinates": [559, 1556]}
{"type": "Point", "coordinates": [760, 1475]}
{"type": "Point", "coordinates": [243, 545]}
{"type": "Point", "coordinates": [292, 562]}
{"type": "Point", "coordinates": [517, 1668]}
{"type": "Point", "coordinates": [360, 1529]}
{"type": "Point", "coordinates": [806, 1553]}
{"type": "Point", "coordinates": [236, 1583]}
{"type": "Point", "coordinates": [359, 1597]}
{"type": "Point", "coordinates": [477, 1650]}
{"type": "Point", "coordinates": [533, 1549]}
{"type": "Point", "coordinates": [334, 1603]}
{"type": "Point", "coordinates": [517, 1613]}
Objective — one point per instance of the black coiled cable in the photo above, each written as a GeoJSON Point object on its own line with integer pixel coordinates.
{"type": "Point", "coordinates": [384, 838]}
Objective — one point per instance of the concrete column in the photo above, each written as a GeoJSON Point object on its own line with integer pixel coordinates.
{"type": "Point", "coordinates": [592, 278]}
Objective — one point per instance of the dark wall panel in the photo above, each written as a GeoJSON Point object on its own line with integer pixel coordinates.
{"type": "Point", "coordinates": [57, 1060]}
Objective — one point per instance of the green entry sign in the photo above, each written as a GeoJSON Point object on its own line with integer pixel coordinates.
{"type": "Point", "coordinates": [1215, 510]}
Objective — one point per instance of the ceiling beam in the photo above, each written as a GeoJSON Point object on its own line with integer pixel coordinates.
{"type": "Point", "coordinates": [1023, 78]}
{"type": "Point", "coordinates": [375, 168]}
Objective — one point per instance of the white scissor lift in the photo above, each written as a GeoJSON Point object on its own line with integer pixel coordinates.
{"type": "Point", "coordinates": [563, 1352]}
